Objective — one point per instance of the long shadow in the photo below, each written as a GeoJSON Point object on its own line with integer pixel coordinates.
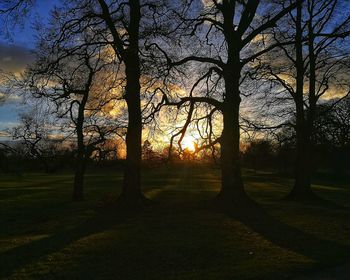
{"type": "Point", "coordinates": [107, 216]}
{"type": "Point", "coordinates": [318, 201]}
{"type": "Point", "coordinates": [30, 189]}
{"type": "Point", "coordinates": [20, 256]}
{"type": "Point", "coordinates": [323, 252]}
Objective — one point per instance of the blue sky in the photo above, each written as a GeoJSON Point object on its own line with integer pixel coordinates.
{"type": "Point", "coordinates": [15, 55]}
{"type": "Point", "coordinates": [24, 35]}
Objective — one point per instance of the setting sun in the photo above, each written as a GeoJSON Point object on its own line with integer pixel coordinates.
{"type": "Point", "coordinates": [188, 143]}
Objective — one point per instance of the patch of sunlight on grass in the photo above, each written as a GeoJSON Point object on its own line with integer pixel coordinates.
{"type": "Point", "coordinates": [151, 194]}
{"type": "Point", "coordinates": [330, 188]}
{"type": "Point", "coordinates": [20, 240]}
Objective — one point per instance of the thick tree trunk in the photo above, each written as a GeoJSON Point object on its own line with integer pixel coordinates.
{"type": "Point", "coordinates": [302, 184]}
{"type": "Point", "coordinates": [304, 119]}
{"type": "Point", "coordinates": [303, 163]}
{"type": "Point", "coordinates": [78, 187]}
{"type": "Point", "coordinates": [131, 189]}
{"type": "Point", "coordinates": [78, 191]}
{"type": "Point", "coordinates": [132, 174]}
{"type": "Point", "coordinates": [232, 187]}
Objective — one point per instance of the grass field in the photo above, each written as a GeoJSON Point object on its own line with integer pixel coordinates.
{"type": "Point", "coordinates": [43, 235]}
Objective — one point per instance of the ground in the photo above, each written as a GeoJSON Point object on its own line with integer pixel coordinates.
{"type": "Point", "coordinates": [43, 235]}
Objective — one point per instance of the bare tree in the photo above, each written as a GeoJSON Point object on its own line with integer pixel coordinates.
{"type": "Point", "coordinates": [78, 79]}
{"type": "Point", "coordinates": [113, 26]}
{"type": "Point", "coordinates": [306, 72]}
{"type": "Point", "coordinates": [332, 134]}
{"type": "Point", "coordinates": [129, 23]}
{"type": "Point", "coordinates": [34, 133]}
{"type": "Point", "coordinates": [225, 39]}
{"type": "Point", "coordinates": [128, 53]}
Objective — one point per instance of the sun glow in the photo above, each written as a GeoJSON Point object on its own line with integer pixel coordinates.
{"type": "Point", "coordinates": [188, 143]}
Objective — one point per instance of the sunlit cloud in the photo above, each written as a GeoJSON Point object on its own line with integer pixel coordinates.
{"type": "Point", "coordinates": [4, 134]}
{"type": "Point", "coordinates": [335, 92]}
{"type": "Point", "coordinates": [209, 3]}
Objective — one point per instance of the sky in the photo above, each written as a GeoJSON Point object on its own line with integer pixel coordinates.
{"type": "Point", "coordinates": [24, 35]}
{"type": "Point", "coordinates": [15, 54]}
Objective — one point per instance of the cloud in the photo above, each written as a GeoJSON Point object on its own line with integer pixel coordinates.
{"type": "Point", "coordinates": [209, 3]}
{"type": "Point", "coordinates": [14, 58]}
{"type": "Point", "coordinates": [5, 134]}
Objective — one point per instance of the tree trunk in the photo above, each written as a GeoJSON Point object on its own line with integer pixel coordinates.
{"type": "Point", "coordinates": [302, 184]}
{"type": "Point", "coordinates": [132, 174]}
{"type": "Point", "coordinates": [78, 188]}
{"type": "Point", "coordinates": [304, 119]}
{"type": "Point", "coordinates": [78, 191]}
{"type": "Point", "coordinates": [232, 187]}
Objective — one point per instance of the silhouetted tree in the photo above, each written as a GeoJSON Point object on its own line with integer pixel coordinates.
{"type": "Point", "coordinates": [305, 72]}
{"type": "Point", "coordinates": [332, 134]}
{"type": "Point", "coordinates": [259, 154]}
{"type": "Point", "coordinates": [33, 132]}
{"type": "Point", "coordinates": [225, 39]}
{"type": "Point", "coordinates": [130, 24]}
{"type": "Point", "coordinates": [78, 79]}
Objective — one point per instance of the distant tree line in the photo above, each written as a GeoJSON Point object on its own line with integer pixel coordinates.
{"type": "Point", "coordinates": [274, 152]}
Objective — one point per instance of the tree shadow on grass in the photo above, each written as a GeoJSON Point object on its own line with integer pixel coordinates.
{"type": "Point", "coordinates": [30, 189]}
{"type": "Point", "coordinates": [323, 252]}
{"type": "Point", "coordinates": [323, 204]}
{"type": "Point", "coordinates": [104, 219]}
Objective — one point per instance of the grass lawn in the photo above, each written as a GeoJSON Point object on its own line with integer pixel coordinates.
{"type": "Point", "coordinates": [43, 235]}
